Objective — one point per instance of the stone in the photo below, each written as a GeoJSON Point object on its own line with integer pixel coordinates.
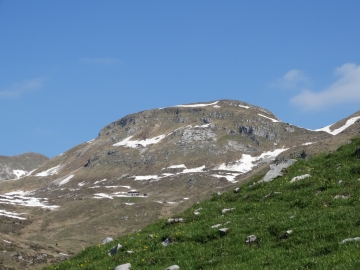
{"type": "Point", "coordinates": [236, 190]}
{"type": "Point", "coordinates": [224, 231]}
{"type": "Point", "coordinates": [251, 239]}
{"type": "Point", "coordinates": [107, 240]}
{"type": "Point", "coordinates": [126, 266]}
{"type": "Point", "coordinates": [166, 242]}
{"type": "Point", "coordinates": [173, 267]}
{"type": "Point", "coordinates": [349, 240]}
{"type": "Point", "coordinates": [286, 235]}
{"type": "Point", "coordinates": [276, 170]}
{"type": "Point", "coordinates": [341, 197]}
{"type": "Point", "coordinates": [226, 210]}
{"type": "Point", "coordinates": [300, 177]}
{"type": "Point", "coordinates": [114, 249]}
{"type": "Point", "coordinates": [216, 226]}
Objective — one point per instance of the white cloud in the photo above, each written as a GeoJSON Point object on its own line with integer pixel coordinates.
{"type": "Point", "coordinates": [345, 90]}
{"type": "Point", "coordinates": [102, 61]}
{"type": "Point", "coordinates": [292, 79]}
{"type": "Point", "coordinates": [18, 89]}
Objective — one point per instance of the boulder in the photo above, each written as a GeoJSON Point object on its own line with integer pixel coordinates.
{"type": "Point", "coordinates": [226, 210]}
{"type": "Point", "coordinates": [126, 266]}
{"type": "Point", "coordinates": [357, 152]}
{"type": "Point", "coordinates": [276, 170]}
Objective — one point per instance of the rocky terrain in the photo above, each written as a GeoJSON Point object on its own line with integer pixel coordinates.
{"type": "Point", "coordinates": [146, 166]}
{"type": "Point", "coordinates": [19, 166]}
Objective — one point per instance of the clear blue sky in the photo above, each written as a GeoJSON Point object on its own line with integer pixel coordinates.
{"type": "Point", "coordinates": [68, 68]}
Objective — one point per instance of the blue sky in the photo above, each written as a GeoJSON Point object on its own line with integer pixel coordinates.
{"type": "Point", "coordinates": [68, 68]}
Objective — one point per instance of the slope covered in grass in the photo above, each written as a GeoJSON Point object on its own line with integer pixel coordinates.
{"type": "Point", "coordinates": [321, 211]}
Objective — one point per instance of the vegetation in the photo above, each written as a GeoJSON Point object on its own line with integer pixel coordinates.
{"type": "Point", "coordinates": [321, 211]}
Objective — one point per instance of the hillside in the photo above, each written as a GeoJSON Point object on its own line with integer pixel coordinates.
{"type": "Point", "coordinates": [15, 167]}
{"type": "Point", "coordinates": [306, 219]}
{"type": "Point", "coordinates": [171, 157]}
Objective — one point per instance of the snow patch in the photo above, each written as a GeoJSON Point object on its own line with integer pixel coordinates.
{"type": "Point", "coordinates": [177, 166]}
{"type": "Point", "coordinates": [67, 179]}
{"type": "Point", "coordinates": [196, 105]}
{"type": "Point", "coordinates": [51, 171]}
{"type": "Point", "coordinates": [146, 177]}
{"type": "Point", "coordinates": [81, 184]}
{"type": "Point", "coordinates": [22, 198]}
{"type": "Point", "coordinates": [307, 143]}
{"type": "Point", "coordinates": [243, 106]}
{"type": "Point", "coordinates": [134, 144]}
{"type": "Point", "coordinates": [348, 123]}
{"type": "Point", "coordinates": [272, 119]}
{"type": "Point", "coordinates": [19, 173]}
{"type": "Point", "coordinates": [11, 215]}
{"type": "Point", "coordinates": [247, 162]}
{"type": "Point", "coordinates": [229, 177]}
{"type": "Point", "coordinates": [90, 141]}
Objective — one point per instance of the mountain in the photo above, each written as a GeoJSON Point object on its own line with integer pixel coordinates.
{"type": "Point", "coordinates": [305, 219]}
{"type": "Point", "coordinates": [15, 167]}
{"type": "Point", "coordinates": [143, 167]}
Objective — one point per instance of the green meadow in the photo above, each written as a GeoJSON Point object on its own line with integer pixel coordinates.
{"type": "Point", "coordinates": [320, 211]}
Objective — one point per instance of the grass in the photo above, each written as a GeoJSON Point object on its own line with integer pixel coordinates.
{"type": "Point", "coordinates": [307, 207]}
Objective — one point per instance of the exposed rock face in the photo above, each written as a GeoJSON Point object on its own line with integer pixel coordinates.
{"type": "Point", "coordinates": [17, 166]}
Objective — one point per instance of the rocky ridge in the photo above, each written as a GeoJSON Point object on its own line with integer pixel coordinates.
{"type": "Point", "coordinates": [145, 166]}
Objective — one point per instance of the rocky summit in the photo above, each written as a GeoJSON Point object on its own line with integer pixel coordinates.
{"type": "Point", "coordinates": [142, 167]}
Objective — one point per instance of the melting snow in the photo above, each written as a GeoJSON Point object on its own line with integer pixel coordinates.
{"type": "Point", "coordinates": [19, 173]}
{"type": "Point", "coordinates": [7, 241]}
{"type": "Point", "coordinates": [243, 106]}
{"type": "Point", "coordinates": [129, 203]}
{"type": "Point", "coordinates": [99, 181]}
{"type": "Point", "coordinates": [20, 198]}
{"type": "Point", "coordinates": [247, 162]}
{"type": "Point", "coordinates": [11, 215]}
{"type": "Point", "coordinates": [133, 144]}
{"type": "Point", "coordinates": [102, 196]}
{"type": "Point", "coordinates": [197, 105]}
{"type": "Point", "coordinates": [81, 184]}
{"type": "Point", "coordinates": [90, 141]}
{"type": "Point", "coordinates": [307, 143]}
{"type": "Point", "coordinates": [216, 106]}
{"type": "Point", "coordinates": [272, 119]}
{"type": "Point", "coordinates": [348, 123]}
{"type": "Point", "coordinates": [51, 171]}
{"type": "Point", "coordinates": [146, 177]}
{"type": "Point", "coordinates": [229, 177]}
{"type": "Point", "coordinates": [198, 169]}
{"type": "Point", "coordinates": [177, 166]}
{"type": "Point", "coordinates": [67, 179]}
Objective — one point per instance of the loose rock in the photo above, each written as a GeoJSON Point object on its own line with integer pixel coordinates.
{"type": "Point", "coordinates": [297, 178]}
{"type": "Point", "coordinates": [107, 240]}
{"type": "Point", "coordinates": [173, 267]}
{"type": "Point", "coordinates": [113, 251]}
{"type": "Point", "coordinates": [126, 266]}
{"type": "Point", "coordinates": [224, 231]}
{"type": "Point", "coordinates": [226, 210]}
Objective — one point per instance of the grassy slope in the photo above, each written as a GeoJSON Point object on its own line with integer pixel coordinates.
{"type": "Point", "coordinates": [319, 222]}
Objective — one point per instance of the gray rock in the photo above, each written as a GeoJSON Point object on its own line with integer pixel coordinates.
{"type": "Point", "coordinates": [300, 177]}
{"type": "Point", "coordinates": [236, 190]}
{"type": "Point", "coordinates": [276, 170]}
{"type": "Point", "coordinates": [173, 267]}
{"type": "Point", "coordinates": [251, 239]}
{"type": "Point", "coordinates": [166, 242]}
{"type": "Point", "coordinates": [226, 210]}
{"type": "Point", "coordinates": [224, 231]}
{"type": "Point", "coordinates": [107, 240]}
{"type": "Point", "coordinates": [126, 266]}
{"type": "Point", "coordinates": [114, 249]}
{"type": "Point", "coordinates": [349, 240]}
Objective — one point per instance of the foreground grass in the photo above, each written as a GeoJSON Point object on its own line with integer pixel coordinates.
{"type": "Point", "coordinates": [307, 207]}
